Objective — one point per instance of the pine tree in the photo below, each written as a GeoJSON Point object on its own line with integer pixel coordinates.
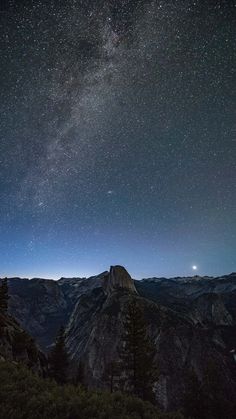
{"type": "Point", "coordinates": [58, 359]}
{"type": "Point", "coordinates": [138, 353]}
{"type": "Point", "coordinates": [4, 297]}
{"type": "Point", "coordinates": [112, 375]}
{"type": "Point", "coordinates": [80, 374]}
{"type": "Point", "coordinates": [194, 397]}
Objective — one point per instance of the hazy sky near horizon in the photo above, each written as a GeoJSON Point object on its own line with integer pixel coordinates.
{"type": "Point", "coordinates": [118, 137]}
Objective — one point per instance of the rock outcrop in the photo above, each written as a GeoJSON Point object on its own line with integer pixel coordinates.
{"type": "Point", "coordinates": [40, 307]}
{"type": "Point", "coordinates": [18, 346]}
{"type": "Point", "coordinates": [119, 279]}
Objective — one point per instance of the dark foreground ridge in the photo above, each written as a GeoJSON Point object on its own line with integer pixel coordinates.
{"type": "Point", "coordinates": [23, 395]}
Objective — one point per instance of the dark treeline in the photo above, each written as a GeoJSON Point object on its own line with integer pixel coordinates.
{"type": "Point", "coordinates": [4, 296]}
{"type": "Point", "coordinates": [24, 395]}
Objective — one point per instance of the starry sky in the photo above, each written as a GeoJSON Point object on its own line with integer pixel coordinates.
{"type": "Point", "coordinates": [117, 137]}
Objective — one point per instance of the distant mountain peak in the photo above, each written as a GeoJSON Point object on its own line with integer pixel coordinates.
{"type": "Point", "coordinates": [119, 279]}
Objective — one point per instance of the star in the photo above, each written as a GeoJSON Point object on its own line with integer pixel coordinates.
{"type": "Point", "coordinates": [119, 121]}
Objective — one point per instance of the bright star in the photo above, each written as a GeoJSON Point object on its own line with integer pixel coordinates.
{"type": "Point", "coordinates": [194, 267]}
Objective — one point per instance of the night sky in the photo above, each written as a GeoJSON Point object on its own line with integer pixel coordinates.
{"type": "Point", "coordinates": [118, 137]}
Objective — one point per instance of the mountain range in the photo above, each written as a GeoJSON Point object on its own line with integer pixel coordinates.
{"type": "Point", "coordinates": [191, 320]}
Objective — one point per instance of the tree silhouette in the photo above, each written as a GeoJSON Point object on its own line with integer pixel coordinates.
{"type": "Point", "coordinates": [112, 375]}
{"type": "Point", "coordinates": [58, 359]}
{"type": "Point", "coordinates": [80, 374]}
{"type": "Point", "coordinates": [4, 297]}
{"type": "Point", "coordinates": [137, 353]}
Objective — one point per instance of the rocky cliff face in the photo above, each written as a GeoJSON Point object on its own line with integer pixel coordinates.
{"type": "Point", "coordinates": [191, 320]}
{"type": "Point", "coordinates": [40, 307]}
{"type": "Point", "coordinates": [18, 346]}
{"type": "Point", "coordinates": [118, 279]}
{"type": "Point", "coordinates": [210, 309]}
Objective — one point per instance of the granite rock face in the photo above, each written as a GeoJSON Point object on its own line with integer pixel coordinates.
{"type": "Point", "coordinates": [119, 279]}
{"type": "Point", "coordinates": [40, 307]}
{"type": "Point", "coordinates": [18, 346]}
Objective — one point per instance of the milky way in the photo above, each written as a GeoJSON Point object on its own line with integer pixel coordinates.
{"type": "Point", "coordinates": [118, 137]}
